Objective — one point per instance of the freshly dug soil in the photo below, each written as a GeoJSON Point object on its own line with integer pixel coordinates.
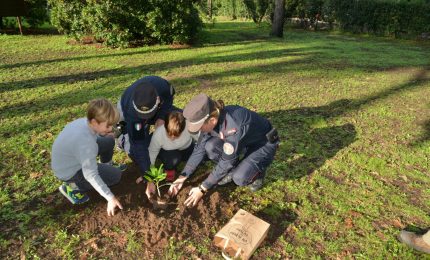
{"type": "Point", "coordinates": [152, 227]}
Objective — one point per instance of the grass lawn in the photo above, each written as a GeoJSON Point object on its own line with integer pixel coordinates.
{"type": "Point", "coordinates": [353, 114]}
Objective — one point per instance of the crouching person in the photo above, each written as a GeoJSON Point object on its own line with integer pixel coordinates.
{"type": "Point", "coordinates": [75, 151]}
{"type": "Point", "coordinates": [227, 133]}
{"type": "Point", "coordinates": [171, 143]}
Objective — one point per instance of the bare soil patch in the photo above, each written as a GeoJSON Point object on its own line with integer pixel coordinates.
{"type": "Point", "coordinates": [154, 227]}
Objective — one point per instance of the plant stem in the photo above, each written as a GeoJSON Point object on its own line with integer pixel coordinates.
{"type": "Point", "coordinates": [158, 189]}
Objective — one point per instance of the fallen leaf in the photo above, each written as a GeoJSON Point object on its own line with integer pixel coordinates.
{"type": "Point", "coordinates": [89, 241]}
{"type": "Point", "coordinates": [354, 214]}
{"type": "Point", "coordinates": [35, 175]}
{"type": "Point", "coordinates": [94, 246]}
{"type": "Point", "coordinates": [397, 223]}
{"type": "Point", "coordinates": [381, 236]}
{"type": "Point", "coordinates": [348, 223]}
{"type": "Point", "coordinates": [84, 256]}
{"type": "Point", "coordinates": [122, 240]}
{"type": "Point", "coordinates": [49, 199]}
{"type": "Point", "coordinates": [108, 233]}
{"type": "Point", "coordinates": [191, 248]}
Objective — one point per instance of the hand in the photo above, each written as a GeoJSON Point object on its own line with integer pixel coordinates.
{"type": "Point", "coordinates": [112, 204]}
{"type": "Point", "coordinates": [195, 196]}
{"type": "Point", "coordinates": [176, 185]}
{"type": "Point", "coordinates": [150, 189]}
{"type": "Point", "coordinates": [158, 123]}
{"type": "Point", "coordinates": [139, 180]}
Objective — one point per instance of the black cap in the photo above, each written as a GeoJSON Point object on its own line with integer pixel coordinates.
{"type": "Point", "coordinates": [145, 100]}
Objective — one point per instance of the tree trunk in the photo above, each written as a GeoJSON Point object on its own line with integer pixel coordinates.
{"type": "Point", "coordinates": [233, 5]}
{"type": "Point", "coordinates": [210, 9]}
{"type": "Point", "coordinates": [278, 19]}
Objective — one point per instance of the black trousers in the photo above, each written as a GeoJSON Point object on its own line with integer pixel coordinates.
{"type": "Point", "coordinates": [171, 158]}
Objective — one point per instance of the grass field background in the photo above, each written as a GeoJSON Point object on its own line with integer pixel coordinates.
{"type": "Point", "coordinates": [353, 113]}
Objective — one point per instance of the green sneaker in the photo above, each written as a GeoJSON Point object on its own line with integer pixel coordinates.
{"type": "Point", "coordinates": [73, 195]}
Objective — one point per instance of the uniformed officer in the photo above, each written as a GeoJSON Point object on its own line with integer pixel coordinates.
{"type": "Point", "coordinates": [146, 102]}
{"type": "Point", "coordinates": [226, 133]}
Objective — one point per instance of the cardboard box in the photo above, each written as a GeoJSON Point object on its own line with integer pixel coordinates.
{"type": "Point", "coordinates": [241, 236]}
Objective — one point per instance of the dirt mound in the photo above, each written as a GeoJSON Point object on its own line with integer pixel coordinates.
{"type": "Point", "coordinates": [153, 228]}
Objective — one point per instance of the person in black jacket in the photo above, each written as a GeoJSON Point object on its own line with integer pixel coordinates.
{"type": "Point", "coordinates": [146, 102]}
{"type": "Point", "coordinates": [226, 134]}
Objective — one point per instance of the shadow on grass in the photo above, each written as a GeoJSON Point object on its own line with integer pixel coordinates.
{"type": "Point", "coordinates": [302, 58]}
{"type": "Point", "coordinates": [425, 137]}
{"type": "Point", "coordinates": [226, 33]}
{"type": "Point", "coordinates": [149, 68]}
{"type": "Point", "coordinates": [307, 141]}
{"type": "Point", "coordinates": [30, 31]}
{"type": "Point", "coordinates": [71, 98]}
{"type": "Point", "coordinates": [80, 58]}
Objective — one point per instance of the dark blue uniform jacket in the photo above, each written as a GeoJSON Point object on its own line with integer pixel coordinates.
{"type": "Point", "coordinates": [137, 128]}
{"type": "Point", "coordinates": [239, 128]}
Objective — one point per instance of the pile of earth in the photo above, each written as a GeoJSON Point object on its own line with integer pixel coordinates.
{"type": "Point", "coordinates": [152, 228]}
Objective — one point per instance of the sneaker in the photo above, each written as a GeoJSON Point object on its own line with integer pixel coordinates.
{"type": "Point", "coordinates": [256, 185]}
{"type": "Point", "coordinates": [73, 195]}
{"type": "Point", "coordinates": [227, 179]}
{"type": "Point", "coordinates": [415, 241]}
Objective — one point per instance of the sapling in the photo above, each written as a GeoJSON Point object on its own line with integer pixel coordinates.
{"type": "Point", "coordinates": [156, 175]}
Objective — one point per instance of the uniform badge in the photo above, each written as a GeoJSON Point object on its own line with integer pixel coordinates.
{"type": "Point", "coordinates": [228, 148]}
{"type": "Point", "coordinates": [138, 126]}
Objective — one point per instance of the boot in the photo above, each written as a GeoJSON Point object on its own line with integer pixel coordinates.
{"type": "Point", "coordinates": [227, 179]}
{"type": "Point", "coordinates": [256, 185]}
{"type": "Point", "coordinates": [415, 241]}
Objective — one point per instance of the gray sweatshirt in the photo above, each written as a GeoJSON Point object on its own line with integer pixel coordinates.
{"type": "Point", "coordinates": [76, 148]}
{"type": "Point", "coordinates": [161, 140]}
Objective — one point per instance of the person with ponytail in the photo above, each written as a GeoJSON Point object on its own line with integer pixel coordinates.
{"type": "Point", "coordinates": [227, 133]}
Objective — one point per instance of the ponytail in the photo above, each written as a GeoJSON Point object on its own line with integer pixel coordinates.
{"type": "Point", "coordinates": [218, 107]}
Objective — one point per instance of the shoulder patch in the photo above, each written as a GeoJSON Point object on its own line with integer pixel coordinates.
{"type": "Point", "coordinates": [228, 148]}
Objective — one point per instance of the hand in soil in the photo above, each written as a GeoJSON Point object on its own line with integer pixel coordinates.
{"type": "Point", "coordinates": [195, 196]}
{"type": "Point", "coordinates": [150, 189]}
{"type": "Point", "coordinates": [176, 186]}
{"type": "Point", "coordinates": [139, 180]}
{"type": "Point", "coordinates": [112, 204]}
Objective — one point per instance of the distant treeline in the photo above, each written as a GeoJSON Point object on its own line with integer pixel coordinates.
{"type": "Point", "coordinates": [124, 22]}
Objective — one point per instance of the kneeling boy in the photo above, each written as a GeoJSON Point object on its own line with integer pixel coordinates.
{"type": "Point", "coordinates": [75, 151]}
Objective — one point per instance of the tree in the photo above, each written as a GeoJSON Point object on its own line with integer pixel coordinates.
{"type": "Point", "coordinates": [256, 9]}
{"type": "Point", "coordinates": [210, 9]}
{"type": "Point", "coordinates": [278, 19]}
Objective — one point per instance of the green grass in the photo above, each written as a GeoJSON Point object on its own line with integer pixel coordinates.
{"type": "Point", "coordinates": [352, 112]}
